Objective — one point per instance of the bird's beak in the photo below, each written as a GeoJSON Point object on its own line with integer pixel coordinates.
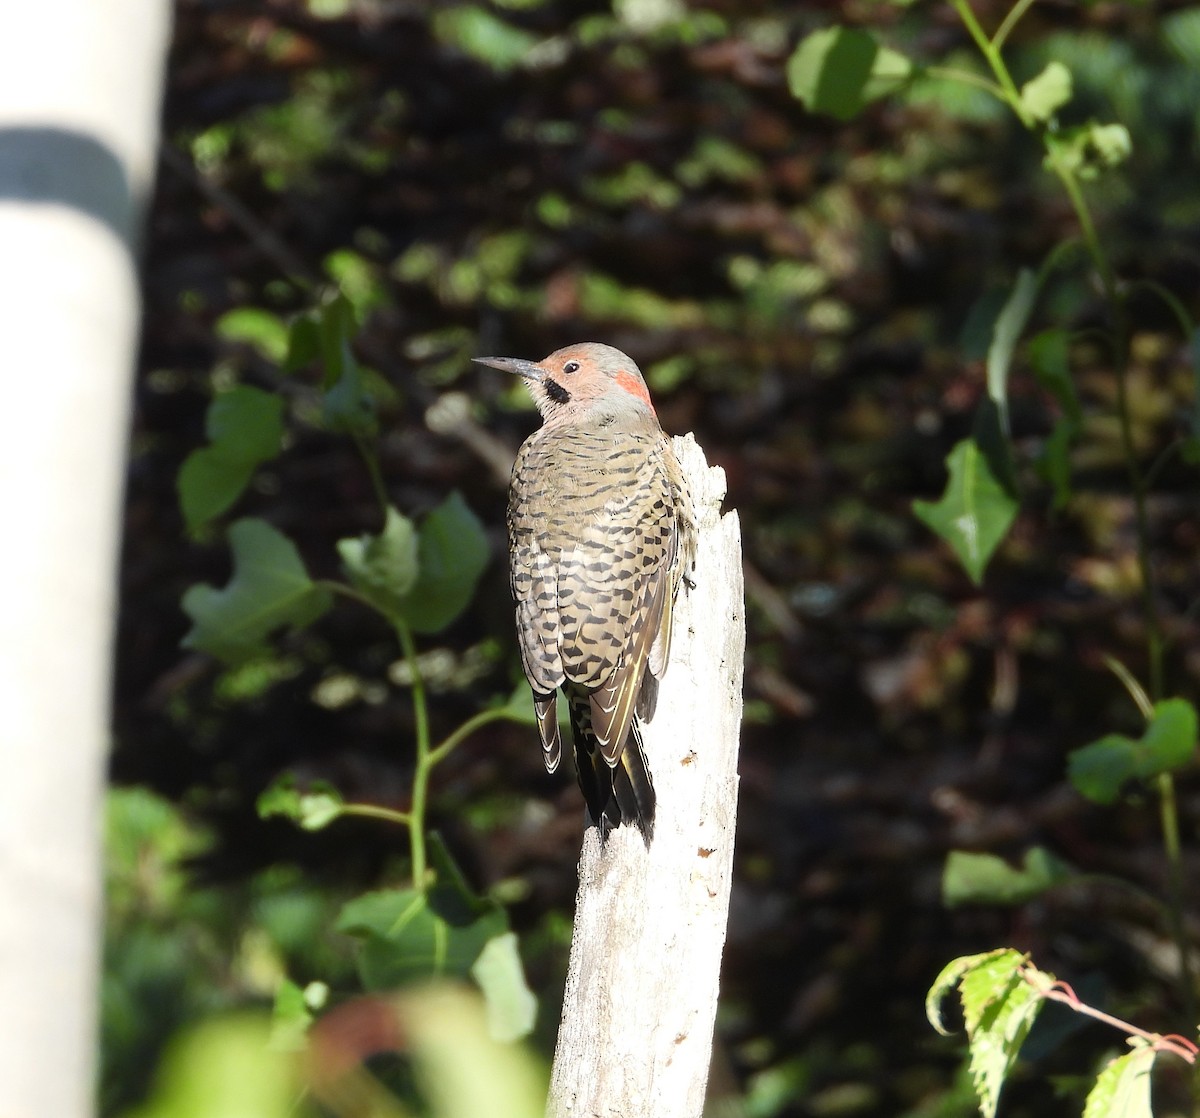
{"type": "Point", "coordinates": [530, 370]}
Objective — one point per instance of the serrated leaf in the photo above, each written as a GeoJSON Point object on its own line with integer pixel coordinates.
{"type": "Point", "coordinates": [1122, 1089]}
{"type": "Point", "coordinates": [948, 978]}
{"type": "Point", "coordinates": [975, 511]}
{"type": "Point", "coordinates": [453, 551]}
{"type": "Point", "coordinates": [383, 568]}
{"type": "Point", "coordinates": [839, 70]}
{"type": "Point", "coordinates": [269, 589]}
{"type": "Point", "coordinates": [970, 878]}
{"type": "Point", "coordinates": [499, 973]}
{"type": "Point", "coordinates": [999, 1007]}
{"type": "Point", "coordinates": [1101, 769]}
{"type": "Point", "coordinates": [245, 429]}
{"type": "Point", "coordinates": [1044, 95]}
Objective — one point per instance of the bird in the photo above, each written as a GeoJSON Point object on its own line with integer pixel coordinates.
{"type": "Point", "coordinates": [601, 534]}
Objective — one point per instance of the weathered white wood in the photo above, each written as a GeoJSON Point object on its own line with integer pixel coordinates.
{"type": "Point", "coordinates": [641, 998]}
{"type": "Point", "coordinates": [80, 87]}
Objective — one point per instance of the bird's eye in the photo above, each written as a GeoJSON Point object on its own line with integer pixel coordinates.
{"type": "Point", "coordinates": [571, 367]}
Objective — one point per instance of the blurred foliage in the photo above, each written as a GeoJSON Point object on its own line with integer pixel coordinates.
{"type": "Point", "coordinates": [386, 191]}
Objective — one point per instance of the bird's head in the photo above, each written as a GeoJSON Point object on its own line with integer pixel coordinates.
{"type": "Point", "coordinates": [577, 377]}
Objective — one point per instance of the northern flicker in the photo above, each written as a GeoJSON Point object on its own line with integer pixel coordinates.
{"type": "Point", "coordinates": [600, 534]}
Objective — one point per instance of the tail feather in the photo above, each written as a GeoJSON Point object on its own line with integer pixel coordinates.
{"type": "Point", "coordinates": [616, 794]}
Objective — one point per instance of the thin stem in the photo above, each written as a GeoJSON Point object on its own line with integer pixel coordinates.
{"type": "Point", "coordinates": [1062, 992]}
{"type": "Point", "coordinates": [374, 811]}
{"type": "Point", "coordinates": [371, 460]}
{"type": "Point", "coordinates": [991, 52]}
{"type": "Point", "coordinates": [966, 77]}
{"type": "Point", "coordinates": [1010, 21]}
{"type": "Point", "coordinates": [1169, 818]}
{"type": "Point", "coordinates": [420, 789]}
{"type": "Point", "coordinates": [476, 722]}
{"type": "Point", "coordinates": [1136, 691]}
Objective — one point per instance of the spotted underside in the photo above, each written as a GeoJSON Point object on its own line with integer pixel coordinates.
{"type": "Point", "coordinates": [600, 528]}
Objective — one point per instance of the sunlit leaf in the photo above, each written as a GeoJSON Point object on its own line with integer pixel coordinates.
{"type": "Point", "coordinates": [1100, 770]}
{"type": "Point", "coordinates": [383, 568]}
{"type": "Point", "coordinates": [483, 35]}
{"type": "Point", "coordinates": [970, 878]}
{"type": "Point", "coordinates": [453, 551]}
{"type": "Point", "coordinates": [511, 1005]}
{"type": "Point", "coordinates": [999, 1008]}
{"type": "Point", "coordinates": [312, 808]}
{"type": "Point", "coordinates": [1044, 95]}
{"type": "Point", "coordinates": [465, 1072]}
{"type": "Point", "coordinates": [262, 329]}
{"type": "Point", "coordinates": [975, 511]}
{"type": "Point", "coordinates": [405, 940]}
{"type": "Point", "coordinates": [269, 589]}
{"type": "Point", "coordinates": [1006, 332]}
{"type": "Point", "coordinates": [839, 70]}
{"type": "Point", "coordinates": [225, 1068]}
{"type": "Point", "coordinates": [1122, 1089]}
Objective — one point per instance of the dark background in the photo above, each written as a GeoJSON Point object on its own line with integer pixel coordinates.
{"type": "Point", "coordinates": [510, 178]}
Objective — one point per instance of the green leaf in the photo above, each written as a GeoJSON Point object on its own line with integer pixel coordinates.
{"type": "Point", "coordinates": [986, 879]}
{"type": "Point", "coordinates": [246, 423]}
{"type": "Point", "coordinates": [209, 483]}
{"type": "Point", "coordinates": [261, 329]}
{"type": "Point", "coordinates": [290, 1018]}
{"type": "Point", "coordinates": [1100, 770]}
{"type": "Point", "coordinates": [383, 568]}
{"type": "Point", "coordinates": [1088, 149]}
{"type": "Point", "coordinates": [1007, 331]}
{"type": "Point", "coordinates": [313, 809]}
{"type": "Point", "coordinates": [404, 940]}
{"type": "Point", "coordinates": [1050, 359]}
{"type": "Point", "coordinates": [484, 36]}
{"type": "Point", "coordinates": [269, 589]}
{"type": "Point", "coordinates": [1044, 95]}
{"type": "Point", "coordinates": [464, 1071]}
{"type": "Point", "coordinates": [1122, 1089]}
{"type": "Point", "coordinates": [1054, 463]}
{"type": "Point", "coordinates": [999, 1007]}
{"type": "Point", "coordinates": [224, 1068]}
{"type": "Point", "coordinates": [511, 1005]}
{"type": "Point", "coordinates": [453, 551]}
{"type": "Point", "coordinates": [450, 896]}
{"type": "Point", "coordinates": [977, 508]}
{"type": "Point", "coordinates": [948, 978]}
{"type": "Point", "coordinates": [304, 343]}
{"type": "Point", "coordinates": [245, 429]}
{"type": "Point", "coordinates": [840, 69]}
{"type": "Point", "coordinates": [347, 405]}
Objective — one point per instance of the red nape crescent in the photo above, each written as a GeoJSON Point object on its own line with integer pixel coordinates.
{"type": "Point", "coordinates": [635, 386]}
